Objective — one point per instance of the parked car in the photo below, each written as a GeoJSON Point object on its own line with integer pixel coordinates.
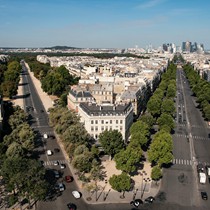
{"type": "Point", "coordinates": [76, 194]}
{"type": "Point", "coordinates": [150, 199]}
{"type": "Point", "coordinates": [68, 179]}
{"type": "Point", "coordinates": [208, 170]}
{"type": "Point", "coordinates": [204, 195]}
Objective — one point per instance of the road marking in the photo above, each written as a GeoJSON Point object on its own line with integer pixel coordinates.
{"type": "Point", "coordinates": [51, 162]}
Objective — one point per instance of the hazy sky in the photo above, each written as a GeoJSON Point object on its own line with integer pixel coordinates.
{"type": "Point", "coordinates": [103, 23]}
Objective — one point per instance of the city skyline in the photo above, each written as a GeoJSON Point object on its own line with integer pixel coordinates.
{"type": "Point", "coordinates": [102, 24]}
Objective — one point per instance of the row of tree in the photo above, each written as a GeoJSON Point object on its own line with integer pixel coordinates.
{"type": "Point", "coordinates": [23, 175]}
{"type": "Point", "coordinates": [160, 150]}
{"type": "Point", "coordinates": [9, 77]}
{"type": "Point", "coordinates": [201, 89]}
{"type": "Point", "coordinates": [54, 80]}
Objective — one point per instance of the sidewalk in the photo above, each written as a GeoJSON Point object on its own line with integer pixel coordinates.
{"type": "Point", "coordinates": [143, 188]}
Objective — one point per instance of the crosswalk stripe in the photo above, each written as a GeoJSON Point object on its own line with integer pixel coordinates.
{"type": "Point", "coordinates": [49, 163]}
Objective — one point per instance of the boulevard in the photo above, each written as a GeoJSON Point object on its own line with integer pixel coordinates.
{"type": "Point", "coordinates": [180, 188]}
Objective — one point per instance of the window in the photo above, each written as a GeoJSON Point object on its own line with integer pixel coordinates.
{"type": "Point", "coordinates": [91, 121]}
{"type": "Point", "coordinates": [92, 128]}
{"type": "Point", "coordinates": [102, 121]}
{"type": "Point", "coordinates": [121, 121]}
{"type": "Point", "coordinates": [110, 121]}
{"type": "Point", "coordinates": [116, 121]}
{"type": "Point", "coordinates": [96, 128]}
{"type": "Point", "coordinates": [102, 128]}
{"type": "Point", "coordinates": [96, 122]}
{"type": "Point", "coordinates": [121, 128]}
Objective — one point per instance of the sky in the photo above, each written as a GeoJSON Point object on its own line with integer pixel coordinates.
{"type": "Point", "coordinates": [103, 23]}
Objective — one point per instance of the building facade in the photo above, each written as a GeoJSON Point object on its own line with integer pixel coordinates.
{"type": "Point", "coordinates": [98, 118]}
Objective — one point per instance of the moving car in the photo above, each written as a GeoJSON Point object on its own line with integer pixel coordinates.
{"type": "Point", "coordinates": [204, 195]}
{"type": "Point", "coordinates": [55, 163]}
{"type": "Point", "coordinates": [45, 136]}
{"type": "Point", "coordinates": [49, 152]}
{"type": "Point", "coordinates": [136, 202]}
{"type": "Point", "coordinates": [76, 194]}
{"type": "Point", "coordinates": [62, 166]}
{"type": "Point", "coordinates": [68, 179]}
{"type": "Point", "coordinates": [71, 206]}
{"type": "Point", "coordinates": [60, 187]}
{"type": "Point", "coordinates": [150, 199]}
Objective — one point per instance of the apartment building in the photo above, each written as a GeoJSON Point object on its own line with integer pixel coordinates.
{"type": "Point", "coordinates": [98, 118]}
{"type": "Point", "coordinates": [77, 95]}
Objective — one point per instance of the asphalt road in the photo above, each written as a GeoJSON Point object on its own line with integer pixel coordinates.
{"type": "Point", "coordinates": [180, 187]}
{"type": "Point", "coordinates": [191, 146]}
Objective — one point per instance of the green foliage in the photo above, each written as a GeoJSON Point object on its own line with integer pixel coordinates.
{"type": "Point", "coordinates": [168, 106]}
{"type": "Point", "coordinates": [148, 119]}
{"type": "Point", "coordinates": [160, 150]}
{"type": "Point", "coordinates": [111, 141]}
{"type": "Point", "coordinates": [154, 106]}
{"type": "Point", "coordinates": [127, 160]}
{"type": "Point", "coordinates": [22, 174]}
{"type": "Point", "coordinates": [166, 119]}
{"type": "Point", "coordinates": [156, 173]}
{"type": "Point", "coordinates": [80, 150]}
{"type": "Point", "coordinates": [83, 162]}
{"type": "Point", "coordinates": [120, 182]}
{"type": "Point", "coordinates": [18, 117]}
{"type": "Point", "coordinates": [139, 132]}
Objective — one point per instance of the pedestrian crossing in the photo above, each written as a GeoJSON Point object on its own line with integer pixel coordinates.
{"type": "Point", "coordinates": [50, 163]}
{"type": "Point", "coordinates": [182, 162]}
{"type": "Point", "coordinates": [194, 137]}
{"type": "Point", "coordinates": [177, 161]}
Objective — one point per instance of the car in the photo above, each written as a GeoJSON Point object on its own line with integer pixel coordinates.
{"type": "Point", "coordinates": [62, 166]}
{"type": "Point", "coordinates": [56, 174]}
{"type": "Point", "coordinates": [150, 199]}
{"type": "Point", "coordinates": [49, 152]}
{"type": "Point", "coordinates": [55, 163]}
{"type": "Point", "coordinates": [204, 195]}
{"type": "Point", "coordinates": [136, 202]}
{"type": "Point", "coordinates": [60, 187]}
{"type": "Point", "coordinates": [200, 167]}
{"type": "Point", "coordinates": [76, 194]}
{"type": "Point", "coordinates": [56, 150]}
{"type": "Point", "coordinates": [71, 206]}
{"type": "Point", "coordinates": [45, 136]}
{"type": "Point", "coordinates": [68, 179]}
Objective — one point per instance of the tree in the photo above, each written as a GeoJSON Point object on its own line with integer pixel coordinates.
{"type": "Point", "coordinates": [76, 134]}
{"type": "Point", "coordinates": [160, 150]}
{"type": "Point", "coordinates": [111, 141]}
{"type": "Point", "coordinates": [139, 132]}
{"type": "Point", "coordinates": [168, 106]}
{"type": "Point", "coordinates": [120, 183]}
{"type": "Point", "coordinates": [83, 162]}
{"type": "Point", "coordinates": [166, 119]}
{"type": "Point", "coordinates": [156, 173]}
{"type": "Point", "coordinates": [127, 160]}
{"type": "Point", "coordinates": [148, 119]}
{"type": "Point", "coordinates": [154, 106]}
